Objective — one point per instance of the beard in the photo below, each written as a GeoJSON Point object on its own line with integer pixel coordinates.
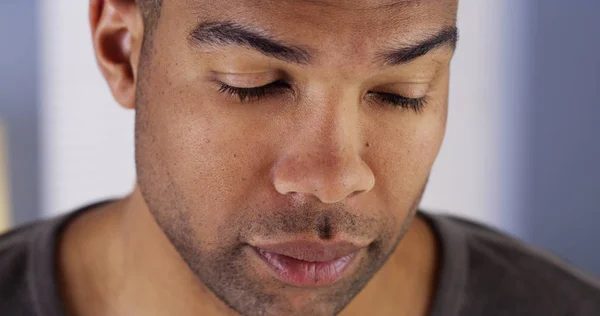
{"type": "Point", "coordinates": [224, 265]}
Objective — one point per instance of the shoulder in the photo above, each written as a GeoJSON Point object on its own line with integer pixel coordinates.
{"type": "Point", "coordinates": [15, 265]}
{"type": "Point", "coordinates": [508, 275]}
{"type": "Point", "coordinates": [28, 264]}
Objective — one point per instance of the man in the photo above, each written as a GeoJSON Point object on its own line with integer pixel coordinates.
{"type": "Point", "coordinates": [282, 149]}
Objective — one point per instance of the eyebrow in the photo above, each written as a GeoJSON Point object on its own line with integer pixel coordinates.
{"type": "Point", "coordinates": [447, 37]}
{"type": "Point", "coordinates": [232, 33]}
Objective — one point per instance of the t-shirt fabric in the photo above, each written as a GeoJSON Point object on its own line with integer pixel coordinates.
{"type": "Point", "coordinates": [482, 272]}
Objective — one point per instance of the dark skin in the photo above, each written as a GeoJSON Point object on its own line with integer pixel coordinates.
{"type": "Point", "coordinates": [340, 151]}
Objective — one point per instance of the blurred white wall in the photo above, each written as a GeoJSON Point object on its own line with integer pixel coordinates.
{"type": "Point", "coordinates": [88, 139]}
{"type": "Point", "coordinates": [468, 178]}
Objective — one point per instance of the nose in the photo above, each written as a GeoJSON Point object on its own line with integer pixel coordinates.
{"type": "Point", "coordinates": [324, 161]}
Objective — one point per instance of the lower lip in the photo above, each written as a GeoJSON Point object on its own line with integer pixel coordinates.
{"type": "Point", "coordinates": [303, 273]}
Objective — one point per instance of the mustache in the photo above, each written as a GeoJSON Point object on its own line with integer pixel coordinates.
{"type": "Point", "coordinates": [307, 219]}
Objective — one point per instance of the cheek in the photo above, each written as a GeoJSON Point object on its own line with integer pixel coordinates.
{"type": "Point", "coordinates": [212, 159]}
{"type": "Point", "coordinates": [402, 155]}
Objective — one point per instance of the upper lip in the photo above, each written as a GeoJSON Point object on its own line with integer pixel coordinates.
{"type": "Point", "coordinates": [311, 251]}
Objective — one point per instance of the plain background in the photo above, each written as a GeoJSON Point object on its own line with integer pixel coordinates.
{"type": "Point", "coordinates": [521, 151]}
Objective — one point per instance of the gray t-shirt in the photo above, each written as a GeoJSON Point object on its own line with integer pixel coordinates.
{"type": "Point", "coordinates": [482, 273]}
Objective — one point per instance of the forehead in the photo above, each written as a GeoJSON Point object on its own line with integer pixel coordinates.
{"type": "Point", "coordinates": [330, 28]}
{"type": "Point", "coordinates": [329, 15]}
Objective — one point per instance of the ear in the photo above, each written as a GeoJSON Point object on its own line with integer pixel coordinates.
{"type": "Point", "coordinates": [117, 33]}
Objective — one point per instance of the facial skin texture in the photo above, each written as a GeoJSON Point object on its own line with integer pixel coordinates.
{"type": "Point", "coordinates": [324, 160]}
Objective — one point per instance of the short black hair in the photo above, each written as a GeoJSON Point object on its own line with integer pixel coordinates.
{"type": "Point", "coordinates": [150, 11]}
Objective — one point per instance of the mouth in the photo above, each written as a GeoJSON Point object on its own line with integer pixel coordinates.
{"type": "Point", "coordinates": [308, 264]}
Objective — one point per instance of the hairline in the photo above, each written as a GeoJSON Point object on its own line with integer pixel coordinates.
{"type": "Point", "coordinates": [150, 10]}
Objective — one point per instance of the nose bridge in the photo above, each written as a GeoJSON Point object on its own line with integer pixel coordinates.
{"type": "Point", "coordinates": [335, 129]}
{"type": "Point", "coordinates": [325, 160]}
{"type": "Point", "coordinates": [333, 133]}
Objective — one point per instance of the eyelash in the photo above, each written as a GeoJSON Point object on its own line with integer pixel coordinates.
{"type": "Point", "coordinates": [254, 94]}
{"type": "Point", "coordinates": [278, 87]}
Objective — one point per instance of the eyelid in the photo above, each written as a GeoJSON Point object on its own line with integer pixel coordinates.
{"type": "Point", "coordinates": [407, 90]}
{"type": "Point", "coordinates": [247, 80]}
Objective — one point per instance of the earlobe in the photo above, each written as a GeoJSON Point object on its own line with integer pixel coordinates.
{"type": "Point", "coordinates": [117, 33]}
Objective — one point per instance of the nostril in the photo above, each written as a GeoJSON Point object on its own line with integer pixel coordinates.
{"type": "Point", "coordinates": [355, 193]}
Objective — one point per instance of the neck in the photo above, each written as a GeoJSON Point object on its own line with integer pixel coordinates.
{"type": "Point", "coordinates": [116, 261]}
{"type": "Point", "coordinates": [406, 283]}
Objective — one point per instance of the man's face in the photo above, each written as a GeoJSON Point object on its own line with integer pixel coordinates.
{"type": "Point", "coordinates": [287, 199]}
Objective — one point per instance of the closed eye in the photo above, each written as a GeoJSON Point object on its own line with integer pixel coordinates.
{"type": "Point", "coordinates": [256, 93]}
{"type": "Point", "coordinates": [415, 104]}
{"type": "Point", "coordinates": [278, 87]}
